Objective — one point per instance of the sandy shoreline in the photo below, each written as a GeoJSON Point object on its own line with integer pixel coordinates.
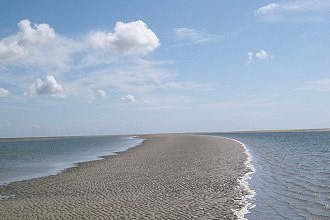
{"type": "Point", "coordinates": [167, 177]}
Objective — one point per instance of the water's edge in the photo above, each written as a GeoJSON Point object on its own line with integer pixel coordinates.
{"type": "Point", "coordinates": [76, 164]}
{"type": "Point", "coordinates": [246, 200]}
{"type": "Point", "coordinates": [243, 182]}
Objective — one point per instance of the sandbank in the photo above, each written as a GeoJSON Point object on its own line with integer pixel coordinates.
{"type": "Point", "coordinates": [169, 176]}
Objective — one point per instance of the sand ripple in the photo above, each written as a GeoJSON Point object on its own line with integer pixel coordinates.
{"type": "Point", "coordinates": [168, 177]}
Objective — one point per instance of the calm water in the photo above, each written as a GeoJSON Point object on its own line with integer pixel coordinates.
{"type": "Point", "coordinates": [292, 178]}
{"type": "Point", "coordinates": [26, 159]}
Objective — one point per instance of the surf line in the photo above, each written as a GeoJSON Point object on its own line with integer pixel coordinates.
{"type": "Point", "coordinates": [243, 181]}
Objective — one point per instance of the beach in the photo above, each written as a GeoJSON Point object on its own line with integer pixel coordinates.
{"type": "Point", "coordinates": [168, 176]}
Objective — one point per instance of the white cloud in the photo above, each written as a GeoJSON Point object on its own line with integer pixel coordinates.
{"type": "Point", "coordinates": [260, 55]}
{"type": "Point", "coordinates": [102, 93]}
{"type": "Point", "coordinates": [317, 85]}
{"type": "Point", "coordinates": [250, 58]}
{"type": "Point", "coordinates": [192, 36]}
{"type": "Point", "coordinates": [39, 46]}
{"type": "Point", "coordinates": [4, 92]}
{"type": "Point", "coordinates": [36, 34]}
{"type": "Point", "coordinates": [128, 38]}
{"type": "Point", "coordinates": [267, 9]}
{"type": "Point", "coordinates": [89, 63]}
{"type": "Point", "coordinates": [128, 99]}
{"type": "Point", "coordinates": [28, 35]}
{"type": "Point", "coordinates": [49, 86]}
{"type": "Point", "coordinates": [36, 44]}
{"type": "Point", "coordinates": [294, 11]}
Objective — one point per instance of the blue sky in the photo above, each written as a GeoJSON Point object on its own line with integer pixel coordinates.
{"type": "Point", "coordinates": [120, 67]}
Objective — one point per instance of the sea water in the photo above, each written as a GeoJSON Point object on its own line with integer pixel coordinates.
{"type": "Point", "coordinates": [292, 174]}
{"type": "Point", "coordinates": [22, 159]}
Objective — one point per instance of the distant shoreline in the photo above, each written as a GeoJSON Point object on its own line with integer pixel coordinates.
{"type": "Point", "coordinates": [124, 135]}
{"type": "Point", "coordinates": [58, 137]}
{"type": "Point", "coordinates": [267, 131]}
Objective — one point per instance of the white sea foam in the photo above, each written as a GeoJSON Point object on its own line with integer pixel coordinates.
{"type": "Point", "coordinates": [246, 200]}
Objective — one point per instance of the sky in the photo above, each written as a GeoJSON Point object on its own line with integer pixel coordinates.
{"type": "Point", "coordinates": [130, 67]}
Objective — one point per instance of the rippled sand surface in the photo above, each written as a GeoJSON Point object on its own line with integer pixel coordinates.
{"type": "Point", "coordinates": [167, 177]}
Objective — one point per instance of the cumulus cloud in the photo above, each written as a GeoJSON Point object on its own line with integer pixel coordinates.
{"type": "Point", "coordinates": [41, 49]}
{"type": "Point", "coordinates": [36, 34]}
{"type": "Point", "coordinates": [90, 62]}
{"type": "Point", "coordinates": [128, 99]}
{"type": "Point", "coordinates": [49, 86]}
{"type": "Point", "coordinates": [19, 45]}
{"type": "Point", "coordinates": [260, 55]}
{"type": "Point", "coordinates": [4, 92]}
{"type": "Point", "coordinates": [127, 38]}
{"type": "Point", "coordinates": [102, 93]}
{"type": "Point", "coordinates": [35, 44]}
{"type": "Point", "coordinates": [294, 11]}
{"type": "Point", "coordinates": [193, 36]}
{"type": "Point", "coordinates": [41, 46]}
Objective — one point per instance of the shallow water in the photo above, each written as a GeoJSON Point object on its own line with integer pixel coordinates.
{"type": "Point", "coordinates": [22, 159]}
{"type": "Point", "coordinates": [292, 178]}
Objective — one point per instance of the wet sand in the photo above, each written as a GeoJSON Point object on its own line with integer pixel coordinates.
{"type": "Point", "coordinates": [172, 176]}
